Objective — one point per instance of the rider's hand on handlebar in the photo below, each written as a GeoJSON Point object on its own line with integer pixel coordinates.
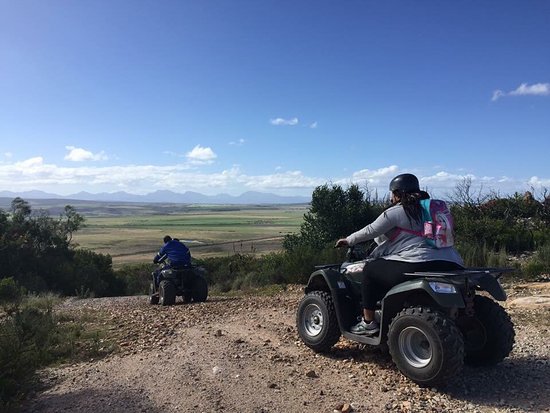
{"type": "Point", "coordinates": [341, 243]}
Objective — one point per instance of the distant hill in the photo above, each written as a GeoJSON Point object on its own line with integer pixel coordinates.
{"type": "Point", "coordinates": [187, 197]}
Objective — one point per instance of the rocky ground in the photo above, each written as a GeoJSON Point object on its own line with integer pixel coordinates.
{"type": "Point", "coordinates": [243, 354]}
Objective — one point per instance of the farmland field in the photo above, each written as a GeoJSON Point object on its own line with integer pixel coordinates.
{"type": "Point", "coordinates": [135, 235]}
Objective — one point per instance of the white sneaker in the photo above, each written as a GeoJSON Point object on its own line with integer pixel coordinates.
{"type": "Point", "coordinates": [362, 327]}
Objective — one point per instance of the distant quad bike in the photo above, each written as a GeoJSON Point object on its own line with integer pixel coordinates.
{"type": "Point", "coordinates": [187, 282]}
{"type": "Point", "coordinates": [431, 324]}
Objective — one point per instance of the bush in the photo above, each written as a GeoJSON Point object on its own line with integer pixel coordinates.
{"type": "Point", "coordinates": [539, 263]}
{"type": "Point", "coordinates": [475, 255]}
{"type": "Point", "coordinates": [25, 338]}
{"type": "Point", "coordinates": [243, 271]}
{"type": "Point", "coordinates": [36, 250]}
{"type": "Point", "coordinates": [135, 278]}
{"type": "Point", "coordinates": [33, 336]}
{"type": "Point", "coordinates": [10, 293]}
{"type": "Point", "coordinates": [515, 223]}
{"type": "Point", "coordinates": [334, 212]}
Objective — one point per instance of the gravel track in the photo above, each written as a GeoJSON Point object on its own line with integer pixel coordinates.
{"type": "Point", "coordinates": [243, 355]}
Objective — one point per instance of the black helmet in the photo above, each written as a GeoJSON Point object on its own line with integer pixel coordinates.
{"type": "Point", "coordinates": [405, 183]}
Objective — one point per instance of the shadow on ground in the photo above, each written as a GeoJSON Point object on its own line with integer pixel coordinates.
{"type": "Point", "coordinates": [521, 383]}
{"type": "Point", "coordinates": [116, 399]}
{"type": "Point", "coordinates": [518, 382]}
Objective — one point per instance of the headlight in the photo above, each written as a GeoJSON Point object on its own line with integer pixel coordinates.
{"type": "Point", "coordinates": [355, 268]}
{"type": "Point", "coordinates": [442, 288]}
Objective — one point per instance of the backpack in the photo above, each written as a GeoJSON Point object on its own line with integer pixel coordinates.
{"type": "Point", "coordinates": [438, 224]}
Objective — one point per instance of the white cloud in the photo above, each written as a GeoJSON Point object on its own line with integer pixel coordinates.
{"type": "Point", "coordinates": [313, 125]}
{"type": "Point", "coordinates": [80, 155]}
{"type": "Point", "coordinates": [377, 178]}
{"type": "Point", "coordinates": [35, 173]}
{"type": "Point", "coordinates": [171, 153]}
{"type": "Point", "coordinates": [497, 94]}
{"type": "Point", "coordinates": [284, 122]}
{"type": "Point", "coordinates": [8, 155]}
{"type": "Point", "coordinates": [201, 155]}
{"type": "Point", "coordinates": [537, 89]}
{"type": "Point", "coordinates": [539, 183]}
{"type": "Point", "coordinates": [240, 142]}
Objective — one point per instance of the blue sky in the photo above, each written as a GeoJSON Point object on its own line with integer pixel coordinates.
{"type": "Point", "coordinates": [273, 96]}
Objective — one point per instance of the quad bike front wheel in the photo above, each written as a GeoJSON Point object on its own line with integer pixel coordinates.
{"type": "Point", "coordinates": [488, 334]}
{"type": "Point", "coordinates": [167, 293]}
{"type": "Point", "coordinates": [316, 321]}
{"type": "Point", "coordinates": [426, 346]}
{"type": "Point", "coordinates": [153, 295]}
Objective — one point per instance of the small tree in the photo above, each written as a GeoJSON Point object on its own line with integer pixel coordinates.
{"type": "Point", "coordinates": [334, 213]}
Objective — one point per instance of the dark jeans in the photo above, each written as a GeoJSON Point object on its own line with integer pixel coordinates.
{"type": "Point", "coordinates": [380, 275]}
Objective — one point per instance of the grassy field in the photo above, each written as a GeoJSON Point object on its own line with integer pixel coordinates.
{"type": "Point", "coordinates": [135, 234]}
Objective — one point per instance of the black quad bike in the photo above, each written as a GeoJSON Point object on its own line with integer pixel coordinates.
{"type": "Point", "coordinates": [187, 282]}
{"type": "Point", "coordinates": [431, 324]}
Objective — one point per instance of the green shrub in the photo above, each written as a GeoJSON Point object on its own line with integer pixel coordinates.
{"type": "Point", "coordinates": [33, 336]}
{"type": "Point", "coordinates": [135, 278]}
{"type": "Point", "coordinates": [539, 263]}
{"type": "Point", "coordinates": [25, 338]}
{"type": "Point", "coordinates": [11, 294]}
{"type": "Point", "coordinates": [475, 255]}
{"type": "Point", "coordinates": [244, 271]}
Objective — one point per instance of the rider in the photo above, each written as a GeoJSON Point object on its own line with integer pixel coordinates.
{"type": "Point", "coordinates": [176, 252]}
{"type": "Point", "coordinates": [398, 252]}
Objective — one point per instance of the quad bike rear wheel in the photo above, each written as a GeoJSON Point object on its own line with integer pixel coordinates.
{"type": "Point", "coordinates": [200, 289]}
{"type": "Point", "coordinates": [488, 335]}
{"type": "Point", "coordinates": [426, 346]}
{"type": "Point", "coordinates": [167, 293]}
{"type": "Point", "coordinates": [316, 321]}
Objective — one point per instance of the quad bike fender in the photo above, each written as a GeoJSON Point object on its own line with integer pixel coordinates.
{"type": "Point", "coordinates": [490, 284]}
{"type": "Point", "coordinates": [399, 294]}
{"type": "Point", "coordinates": [326, 280]}
{"type": "Point", "coordinates": [331, 281]}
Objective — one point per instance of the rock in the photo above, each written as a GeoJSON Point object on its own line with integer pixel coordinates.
{"type": "Point", "coordinates": [532, 302]}
{"type": "Point", "coordinates": [311, 374]}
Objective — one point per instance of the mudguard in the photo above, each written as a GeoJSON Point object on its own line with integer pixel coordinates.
{"type": "Point", "coordinates": [490, 284]}
{"type": "Point", "coordinates": [331, 280]}
{"type": "Point", "coordinates": [444, 300]}
{"type": "Point", "coordinates": [326, 277]}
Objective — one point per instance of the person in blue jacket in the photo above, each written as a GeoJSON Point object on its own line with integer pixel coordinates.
{"type": "Point", "coordinates": [175, 252]}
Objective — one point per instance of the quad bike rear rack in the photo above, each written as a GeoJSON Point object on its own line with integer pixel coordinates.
{"type": "Point", "coordinates": [495, 272]}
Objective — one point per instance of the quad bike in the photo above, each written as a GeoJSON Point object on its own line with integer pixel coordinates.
{"type": "Point", "coordinates": [431, 324]}
{"type": "Point", "coordinates": [187, 282]}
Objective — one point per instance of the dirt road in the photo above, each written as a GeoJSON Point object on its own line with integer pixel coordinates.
{"type": "Point", "coordinates": [243, 355]}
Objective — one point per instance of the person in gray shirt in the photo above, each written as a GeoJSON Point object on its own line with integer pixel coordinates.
{"type": "Point", "coordinates": [400, 248]}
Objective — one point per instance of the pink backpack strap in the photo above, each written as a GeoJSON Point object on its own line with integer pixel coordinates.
{"type": "Point", "coordinates": [399, 230]}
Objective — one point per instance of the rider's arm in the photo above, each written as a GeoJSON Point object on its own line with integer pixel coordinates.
{"type": "Point", "coordinates": [381, 225]}
{"type": "Point", "coordinates": [161, 256]}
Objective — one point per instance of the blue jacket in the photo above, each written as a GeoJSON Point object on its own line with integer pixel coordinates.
{"type": "Point", "coordinates": [176, 252]}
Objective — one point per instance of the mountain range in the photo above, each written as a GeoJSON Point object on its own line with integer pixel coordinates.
{"type": "Point", "coordinates": [188, 197]}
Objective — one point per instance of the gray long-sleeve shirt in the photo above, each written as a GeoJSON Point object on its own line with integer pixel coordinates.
{"type": "Point", "coordinates": [394, 244]}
